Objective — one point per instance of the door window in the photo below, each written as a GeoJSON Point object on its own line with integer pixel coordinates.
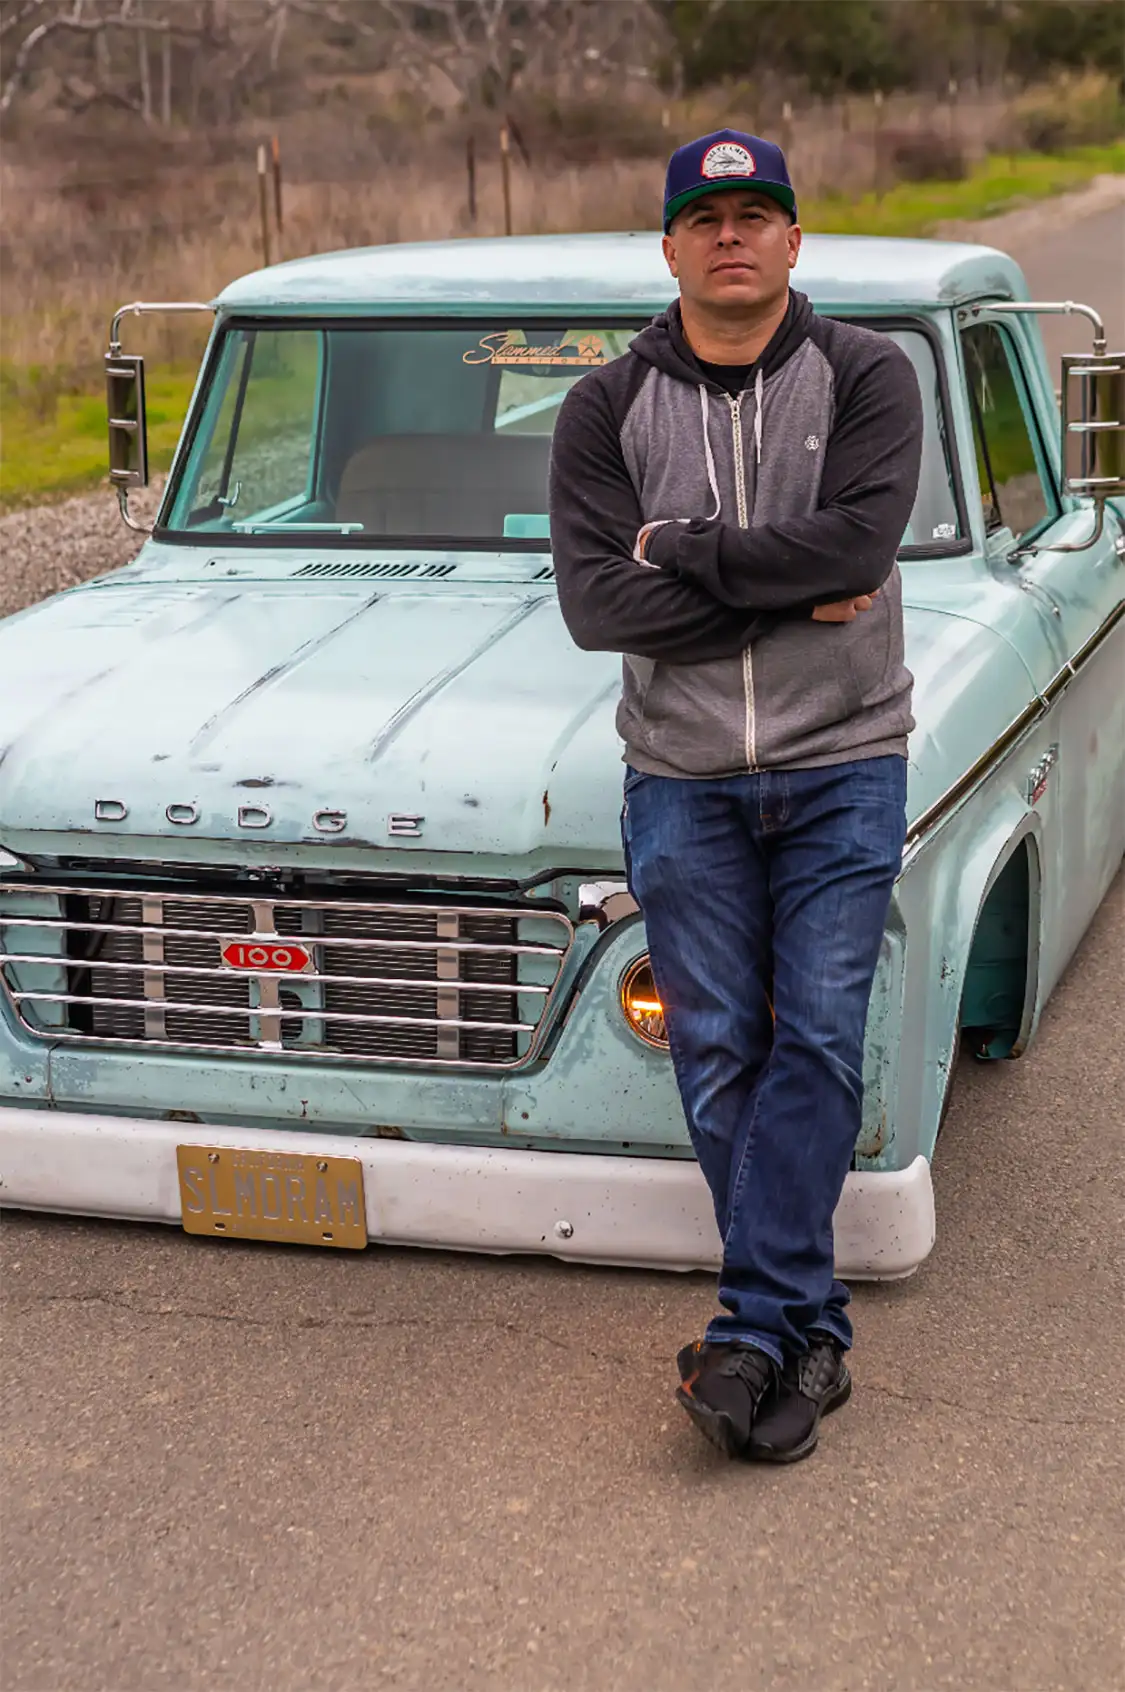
{"type": "Point", "coordinates": [1015, 486]}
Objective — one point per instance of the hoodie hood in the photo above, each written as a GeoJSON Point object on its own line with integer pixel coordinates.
{"type": "Point", "coordinates": [664, 345]}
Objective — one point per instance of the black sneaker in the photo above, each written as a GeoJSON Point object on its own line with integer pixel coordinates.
{"type": "Point", "coordinates": [808, 1388]}
{"type": "Point", "coordinates": [723, 1390]}
{"type": "Point", "coordinates": [689, 1357]}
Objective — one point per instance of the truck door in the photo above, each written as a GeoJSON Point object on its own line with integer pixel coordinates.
{"type": "Point", "coordinates": [1079, 597]}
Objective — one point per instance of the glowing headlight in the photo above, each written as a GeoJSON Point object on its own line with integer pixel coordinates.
{"type": "Point", "coordinates": [641, 1004]}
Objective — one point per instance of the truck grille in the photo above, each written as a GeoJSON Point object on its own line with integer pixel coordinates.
{"type": "Point", "coordinates": [451, 984]}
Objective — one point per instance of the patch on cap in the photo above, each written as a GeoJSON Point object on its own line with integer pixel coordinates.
{"type": "Point", "coordinates": [727, 158]}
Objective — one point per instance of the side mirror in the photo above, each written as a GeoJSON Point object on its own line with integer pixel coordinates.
{"type": "Point", "coordinates": [128, 433]}
{"type": "Point", "coordinates": [1093, 425]}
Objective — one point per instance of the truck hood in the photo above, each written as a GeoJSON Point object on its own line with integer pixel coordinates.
{"type": "Point", "coordinates": [341, 728]}
{"type": "Point", "coordinates": [241, 714]}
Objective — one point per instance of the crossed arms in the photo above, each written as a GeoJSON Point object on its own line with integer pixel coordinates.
{"type": "Point", "coordinates": [707, 588]}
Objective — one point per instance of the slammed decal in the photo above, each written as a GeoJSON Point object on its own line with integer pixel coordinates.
{"type": "Point", "coordinates": [504, 348]}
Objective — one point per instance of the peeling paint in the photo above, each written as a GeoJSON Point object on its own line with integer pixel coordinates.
{"type": "Point", "coordinates": [546, 809]}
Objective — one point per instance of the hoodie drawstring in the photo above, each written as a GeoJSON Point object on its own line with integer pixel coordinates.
{"type": "Point", "coordinates": [705, 409]}
{"type": "Point", "coordinates": [758, 386]}
{"type": "Point", "coordinates": [712, 478]}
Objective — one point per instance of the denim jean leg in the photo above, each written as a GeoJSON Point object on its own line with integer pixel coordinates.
{"type": "Point", "coordinates": [701, 883]}
{"type": "Point", "coordinates": [834, 847]}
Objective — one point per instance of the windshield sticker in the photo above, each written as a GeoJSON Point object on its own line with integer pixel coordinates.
{"type": "Point", "coordinates": [504, 348]}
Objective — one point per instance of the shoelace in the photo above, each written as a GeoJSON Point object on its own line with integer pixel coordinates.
{"type": "Point", "coordinates": [749, 1365]}
{"type": "Point", "coordinates": [816, 1369]}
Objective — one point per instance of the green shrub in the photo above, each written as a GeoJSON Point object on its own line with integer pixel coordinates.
{"type": "Point", "coordinates": [1074, 112]}
{"type": "Point", "coordinates": [922, 155]}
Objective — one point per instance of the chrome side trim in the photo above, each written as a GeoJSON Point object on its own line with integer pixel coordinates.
{"type": "Point", "coordinates": [1034, 713]}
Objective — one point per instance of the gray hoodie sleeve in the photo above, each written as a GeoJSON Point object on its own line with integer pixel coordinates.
{"type": "Point", "coordinates": [846, 547]}
{"type": "Point", "coordinates": [611, 603]}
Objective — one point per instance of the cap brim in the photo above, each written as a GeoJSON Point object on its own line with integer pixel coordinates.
{"type": "Point", "coordinates": [775, 191]}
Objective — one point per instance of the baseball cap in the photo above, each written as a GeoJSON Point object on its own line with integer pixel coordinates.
{"type": "Point", "coordinates": [726, 159]}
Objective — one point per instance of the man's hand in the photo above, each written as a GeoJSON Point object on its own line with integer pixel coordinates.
{"type": "Point", "coordinates": [844, 610]}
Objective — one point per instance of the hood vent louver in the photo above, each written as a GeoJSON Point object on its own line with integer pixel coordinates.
{"type": "Point", "coordinates": [381, 571]}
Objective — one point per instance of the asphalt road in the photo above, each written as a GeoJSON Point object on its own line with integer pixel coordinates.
{"type": "Point", "coordinates": [258, 1468]}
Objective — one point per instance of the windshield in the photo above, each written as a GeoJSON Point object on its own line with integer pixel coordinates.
{"type": "Point", "coordinates": [417, 435]}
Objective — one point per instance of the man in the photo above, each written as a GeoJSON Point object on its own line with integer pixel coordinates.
{"type": "Point", "coordinates": [727, 500]}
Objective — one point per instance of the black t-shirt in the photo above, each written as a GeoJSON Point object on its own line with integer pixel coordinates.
{"type": "Point", "coordinates": [732, 377]}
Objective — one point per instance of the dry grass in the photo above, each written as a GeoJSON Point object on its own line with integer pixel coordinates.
{"type": "Point", "coordinates": [94, 220]}
{"type": "Point", "coordinates": [108, 218]}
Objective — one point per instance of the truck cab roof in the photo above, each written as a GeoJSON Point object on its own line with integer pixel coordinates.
{"type": "Point", "coordinates": [606, 272]}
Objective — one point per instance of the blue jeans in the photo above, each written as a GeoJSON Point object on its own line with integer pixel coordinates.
{"type": "Point", "coordinates": [764, 898]}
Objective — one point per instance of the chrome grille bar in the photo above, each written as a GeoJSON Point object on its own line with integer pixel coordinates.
{"type": "Point", "coordinates": [448, 997]}
{"type": "Point", "coordinates": [450, 985]}
{"type": "Point", "coordinates": [253, 1012]}
{"type": "Point", "coordinates": [152, 949]}
{"type": "Point", "coordinates": [280, 901]}
{"type": "Point", "coordinates": [310, 939]}
{"type": "Point", "coordinates": [280, 975]}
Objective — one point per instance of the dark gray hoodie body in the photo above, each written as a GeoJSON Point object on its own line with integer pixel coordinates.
{"type": "Point", "coordinates": [793, 495]}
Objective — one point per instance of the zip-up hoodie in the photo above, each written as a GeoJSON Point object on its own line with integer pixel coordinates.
{"type": "Point", "coordinates": [759, 508]}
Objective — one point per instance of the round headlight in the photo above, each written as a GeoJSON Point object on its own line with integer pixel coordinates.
{"type": "Point", "coordinates": [641, 1003]}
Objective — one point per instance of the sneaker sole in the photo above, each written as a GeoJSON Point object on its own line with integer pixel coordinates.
{"type": "Point", "coordinates": [833, 1402]}
{"type": "Point", "coordinates": [714, 1425]}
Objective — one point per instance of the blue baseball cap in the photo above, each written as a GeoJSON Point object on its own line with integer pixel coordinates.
{"type": "Point", "coordinates": [726, 159]}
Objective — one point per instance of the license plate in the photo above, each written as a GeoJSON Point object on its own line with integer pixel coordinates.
{"type": "Point", "coordinates": [294, 1198]}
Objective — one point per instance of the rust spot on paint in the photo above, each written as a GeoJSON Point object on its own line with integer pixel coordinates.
{"type": "Point", "coordinates": [546, 809]}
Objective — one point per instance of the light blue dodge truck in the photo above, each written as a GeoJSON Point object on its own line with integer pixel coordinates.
{"type": "Point", "coordinates": [313, 924]}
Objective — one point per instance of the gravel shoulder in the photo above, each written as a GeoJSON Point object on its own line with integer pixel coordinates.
{"type": "Point", "coordinates": [47, 548]}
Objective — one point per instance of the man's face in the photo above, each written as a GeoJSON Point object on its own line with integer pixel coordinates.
{"type": "Point", "coordinates": [732, 248]}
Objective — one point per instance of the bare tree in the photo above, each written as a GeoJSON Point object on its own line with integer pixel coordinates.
{"type": "Point", "coordinates": [241, 45]}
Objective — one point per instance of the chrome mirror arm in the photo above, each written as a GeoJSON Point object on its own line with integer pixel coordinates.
{"type": "Point", "coordinates": [141, 308]}
{"type": "Point", "coordinates": [1022, 552]}
{"type": "Point", "coordinates": [130, 521]}
{"type": "Point", "coordinates": [1047, 308]}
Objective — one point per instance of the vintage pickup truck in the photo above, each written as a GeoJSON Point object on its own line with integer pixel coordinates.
{"type": "Point", "coordinates": [312, 915]}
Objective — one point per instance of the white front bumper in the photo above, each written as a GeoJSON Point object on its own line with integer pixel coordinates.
{"type": "Point", "coordinates": [642, 1212]}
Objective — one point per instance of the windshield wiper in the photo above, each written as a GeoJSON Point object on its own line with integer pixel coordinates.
{"type": "Point", "coordinates": [298, 528]}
